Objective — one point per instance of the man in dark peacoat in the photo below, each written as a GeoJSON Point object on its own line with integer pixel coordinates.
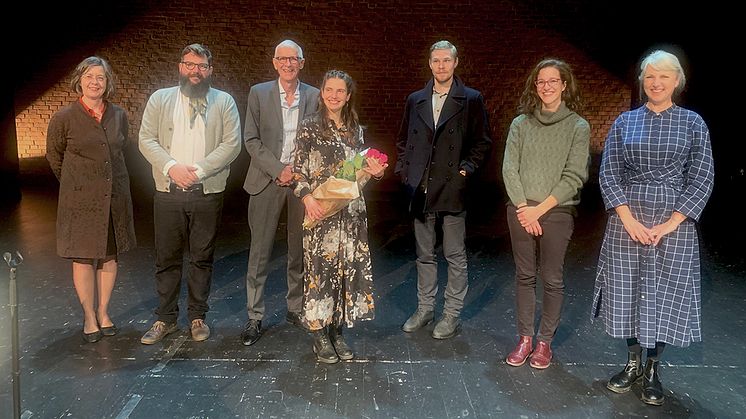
{"type": "Point", "coordinates": [444, 138]}
{"type": "Point", "coordinates": [275, 110]}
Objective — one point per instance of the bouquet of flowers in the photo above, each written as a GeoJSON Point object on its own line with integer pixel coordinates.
{"type": "Point", "coordinates": [337, 191]}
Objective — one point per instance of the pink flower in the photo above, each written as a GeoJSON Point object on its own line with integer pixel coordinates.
{"type": "Point", "coordinates": [373, 153]}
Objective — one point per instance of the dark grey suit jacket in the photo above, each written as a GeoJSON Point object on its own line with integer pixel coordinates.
{"type": "Point", "coordinates": [263, 131]}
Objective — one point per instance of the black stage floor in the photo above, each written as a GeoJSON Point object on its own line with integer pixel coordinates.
{"type": "Point", "coordinates": [394, 374]}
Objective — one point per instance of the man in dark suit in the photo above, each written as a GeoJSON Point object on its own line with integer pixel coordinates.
{"type": "Point", "coordinates": [443, 139]}
{"type": "Point", "coordinates": [274, 112]}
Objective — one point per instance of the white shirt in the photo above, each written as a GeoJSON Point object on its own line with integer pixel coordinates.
{"type": "Point", "coordinates": [289, 123]}
{"type": "Point", "coordinates": [188, 145]}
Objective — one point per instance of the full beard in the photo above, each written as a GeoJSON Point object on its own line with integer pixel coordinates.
{"type": "Point", "coordinates": [194, 90]}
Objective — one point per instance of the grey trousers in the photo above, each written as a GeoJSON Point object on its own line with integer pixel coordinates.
{"type": "Point", "coordinates": [265, 209]}
{"type": "Point", "coordinates": [454, 251]}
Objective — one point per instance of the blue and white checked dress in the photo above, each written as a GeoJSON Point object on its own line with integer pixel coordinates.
{"type": "Point", "coordinates": [655, 164]}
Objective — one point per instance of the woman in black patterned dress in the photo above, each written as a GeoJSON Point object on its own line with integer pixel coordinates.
{"type": "Point", "coordinates": [338, 280]}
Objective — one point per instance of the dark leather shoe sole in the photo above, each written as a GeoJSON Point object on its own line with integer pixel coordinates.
{"type": "Point", "coordinates": [250, 340]}
{"type": "Point", "coordinates": [622, 390]}
{"type": "Point", "coordinates": [92, 337]}
{"type": "Point", "coordinates": [448, 336]}
{"type": "Point", "coordinates": [325, 360]}
{"type": "Point", "coordinates": [109, 331]}
{"type": "Point", "coordinates": [653, 402]}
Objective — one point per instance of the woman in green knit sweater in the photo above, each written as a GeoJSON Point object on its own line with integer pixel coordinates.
{"type": "Point", "coordinates": [544, 168]}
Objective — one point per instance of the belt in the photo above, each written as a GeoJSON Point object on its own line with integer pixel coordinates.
{"type": "Point", "coordinates": [197, 187]}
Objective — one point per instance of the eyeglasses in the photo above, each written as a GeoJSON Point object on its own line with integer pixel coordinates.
{"type": "Point", "coordinates": [190, 65]}
{"type": "Point", "coordinates": [286, 60]}
{"type": "Point", "coordinates": [90, 77]}
{"type": "Point", "coordinates": [551, 83]}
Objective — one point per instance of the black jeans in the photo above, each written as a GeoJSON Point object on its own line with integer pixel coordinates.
{"type": "Point", "coordinates": [549, 248]}
{"type": "Point", "coordinates": [184, 221]}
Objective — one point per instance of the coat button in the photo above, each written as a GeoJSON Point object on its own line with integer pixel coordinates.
{"type": "Point", "coordinates": [450, 131]}
{"type": "Point", "coordinates": [407, 163]}
{"type": "Point", "coordinates": [414, 131]}
{"type": "Point", "coordinates": [430, 178]}
{"type": "Point", "coordinates": [450, 147]}
{"type": "Point", "coordinates": [450, 164]}
{"type": "Point", "coordinates": [448, 178]}
{"type": "Point", "coordinates": [411, 147]}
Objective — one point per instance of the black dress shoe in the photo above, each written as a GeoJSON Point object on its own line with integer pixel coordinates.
{"type": "Point", "coordinates": [109, 330]}
{"type": "Point", "coordinates": [252, 332]}
{"type": "Point", "coordinates": [294, 318]}
{"type": "Point", "coordinates": [92, 337]}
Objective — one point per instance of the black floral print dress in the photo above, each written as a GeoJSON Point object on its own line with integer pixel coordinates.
{"type": "Point", "coordinates": [338, 280]}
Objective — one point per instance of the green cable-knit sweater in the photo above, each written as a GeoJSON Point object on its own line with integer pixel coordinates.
{"type": "Point", "coordinates": [547, 154]}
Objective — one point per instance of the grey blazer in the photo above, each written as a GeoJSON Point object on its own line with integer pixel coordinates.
{"type": "Point", "coordinates": [263, 131]}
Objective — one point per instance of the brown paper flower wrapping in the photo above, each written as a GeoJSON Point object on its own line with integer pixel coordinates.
{"type": "Point", "coordinates": [334, 194]}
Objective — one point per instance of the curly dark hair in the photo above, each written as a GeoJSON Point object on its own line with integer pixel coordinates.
{"type": "Point", "coordinates": [530, 100]}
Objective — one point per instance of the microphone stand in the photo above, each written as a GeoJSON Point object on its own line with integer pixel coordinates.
{"type": "Point", "coordinates": [13, 262]}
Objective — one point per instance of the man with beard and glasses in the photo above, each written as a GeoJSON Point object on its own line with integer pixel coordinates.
{"type": "Point", "coordinates": [190, 134]}
{"type": "Point", "coordinates": [274, 113]}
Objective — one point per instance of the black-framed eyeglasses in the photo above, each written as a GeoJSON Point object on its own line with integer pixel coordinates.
{"type": "Point", "coordinates": [190, 65]}
{"type": "Point", "coordinates": [286, 60]}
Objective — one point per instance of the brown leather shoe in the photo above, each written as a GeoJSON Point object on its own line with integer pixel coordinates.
{"type": "Point", "coordinates": [542, 355]}
{"type": "Point", "coordinates": [521, 352]}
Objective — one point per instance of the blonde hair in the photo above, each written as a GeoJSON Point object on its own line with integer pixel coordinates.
{"type": "Point", "coordinates": [663, 60]}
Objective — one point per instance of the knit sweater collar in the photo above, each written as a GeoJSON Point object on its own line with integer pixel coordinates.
{"type": "Point", "coordinates": [550, 118]}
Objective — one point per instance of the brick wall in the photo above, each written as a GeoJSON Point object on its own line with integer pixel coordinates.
{"type": "Point", "coordinates": [382, 44]}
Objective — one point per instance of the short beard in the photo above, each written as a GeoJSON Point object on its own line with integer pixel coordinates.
{"type": "Point", "coordinates": [198, 90]}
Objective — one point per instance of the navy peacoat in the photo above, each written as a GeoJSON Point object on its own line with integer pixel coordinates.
{"type": "Point", "coordinates": [460, 142]}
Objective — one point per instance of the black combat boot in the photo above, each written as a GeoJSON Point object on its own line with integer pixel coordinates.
{"type": "Point", "coordinates": [622, 382]}
{"type": "Point", "coordinates": [343, 350]}
{"type": "Point", "coordinates": [323, 348]}
{"type": "Point", "coordinates": [652, 391]}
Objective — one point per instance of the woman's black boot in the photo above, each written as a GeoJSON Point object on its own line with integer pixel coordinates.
{"type": "Point", "coordinates": [323, 348]}
{"type": "Point", "coordinates": [652, 391]}
{"type": "Point", "coordinates": [622, 382]}
{"type": "Point", "coordinates": [343, 350]}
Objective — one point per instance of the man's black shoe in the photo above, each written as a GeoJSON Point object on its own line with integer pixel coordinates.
{"type": "Point", "coordinates": [252, 332]}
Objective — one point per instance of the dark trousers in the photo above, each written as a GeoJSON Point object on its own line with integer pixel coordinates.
{"type": "Point", "coordinates": [184, 221]}
{"type": "Point", "coordinates": [557, 226]}
{"type": "Point", "coordinates": [454, 250]}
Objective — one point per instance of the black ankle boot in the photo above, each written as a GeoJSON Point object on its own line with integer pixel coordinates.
{"type": "Point", "coordinates": [343, 350]}
{"type": "Point", "coordinates": [622, 382]}
{"type": "Point", "coordinates": [323, 348]}
{"type": "Point", "coordinates": [652, 391]}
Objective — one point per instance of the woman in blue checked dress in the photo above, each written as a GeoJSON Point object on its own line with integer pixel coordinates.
{"type": "Point", "coordinates": [656, 174]}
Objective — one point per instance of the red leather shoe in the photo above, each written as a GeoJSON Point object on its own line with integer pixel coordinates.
{"type": "Point", "coordinates": [521, 352]}
{"type": "Point", "coordinates": [542, 355]}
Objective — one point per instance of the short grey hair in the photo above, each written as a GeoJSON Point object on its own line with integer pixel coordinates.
{"type": "Point", "coordinates": [445, 45]}
{"type": "Point", "coordinates": [290, 44]}
{"type": "Point", "coordinates": [663, 60]}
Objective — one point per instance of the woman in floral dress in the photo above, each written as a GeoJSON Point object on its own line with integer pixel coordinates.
{"type": "Point", "coordinates": [338, 280]}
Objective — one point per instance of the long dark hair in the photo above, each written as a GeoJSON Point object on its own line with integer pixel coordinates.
{"type": "Point", "coordinates": [350, 121]}
{"type": "Point", "coordinates": [530, 100]}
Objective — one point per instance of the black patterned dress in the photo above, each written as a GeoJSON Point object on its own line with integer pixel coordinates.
{"type": "Point", "coordinates": [338, 281]}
